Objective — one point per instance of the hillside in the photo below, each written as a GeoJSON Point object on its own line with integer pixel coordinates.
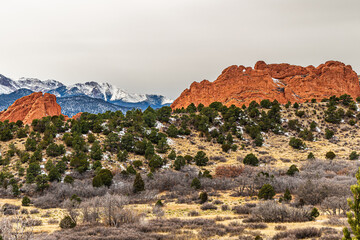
{"type": "Point", "coordinates": [209, 170]}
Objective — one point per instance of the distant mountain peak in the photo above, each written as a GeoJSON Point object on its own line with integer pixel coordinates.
{"type": "Point", "coordinates": [101, 91]}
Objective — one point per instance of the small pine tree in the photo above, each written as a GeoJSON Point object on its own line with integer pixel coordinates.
{"type": "Point", "coordinates": [292, 170]}
{"type": "Point", "coordinates": [251, 159]}
{"type": "Point", "coordinates": [203, 197]}
{"type": "Point", "coordinates": [67, 222]}
{"type": "Point", "coordinates": [266, 192]}
{"type": "Point", "coordinates": [201, 159]}
{"type": "Point", "coordinates": [354, 214]}
{"type": "Point", "coordinates": [138, 185]}
{"type": "Point", "coordinates": [310, 156]}
{"type": "Point", "coordinates": [196, 183]}
{"type": "Point", "coordinates": [353, 155]}
{"type": "Point", "coordinates": [69, 179]}
{"type": "Point", "coordinates": [159, 203]}
{"type": "Point", "coordinates": [314, 213]}
{"type": "Point", "coordinates": [287, 195]}
{"type": "Point", "coordinates": [330, 155]}
{"type": "Point", "coordinates": [130, 169]}
{"type": "Point", "coordinates": [172, 155]}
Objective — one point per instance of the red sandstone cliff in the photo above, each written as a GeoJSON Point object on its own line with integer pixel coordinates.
{"type": "Point", "coordinates": [33, 106]}
{"type": "Point", "coordinates": [240, 85]}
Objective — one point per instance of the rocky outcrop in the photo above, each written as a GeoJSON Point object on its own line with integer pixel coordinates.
{"type": "Point", "coordinates": [33, 106]}
{"type": "Point", "coordinates": [240, 85]}
{"type": "Point", "coordinates": [77, 116]}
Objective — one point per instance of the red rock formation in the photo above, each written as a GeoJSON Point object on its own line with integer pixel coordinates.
{"type": "Point", "coordinates": [33, 106]}
{"type": "Point", "coordinates": [77, 116]}
{"type": "Point", "coordinates": [284, 82]}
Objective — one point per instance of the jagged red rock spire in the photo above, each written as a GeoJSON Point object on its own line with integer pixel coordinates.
{"type": "Point", "coordinates": [240, 85]}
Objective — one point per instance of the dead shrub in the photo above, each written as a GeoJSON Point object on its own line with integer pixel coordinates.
{"type": "Point", "coordinates": [225, 207]}
{"type": "Point", "coordinates": [256, 225]}
{"type": "Point", "coordinates": [217, 202]}
{"type": "Point", "coordinates": [208, 206]}
{"type": "Point", "coordinates": [34, 211]}
{"type": "Point", "coordinates": [32, 222]}
{"type": "Point", "coordinates": [280, 228]}
{"type": "Point", "coordinates": [300, 233]}
{"type": "Point", "coordinates": [228, 171]}
{"type": "Point", "coordinates": [193, 213]}
{"type": "Point", "coordinates": [241, 209]}
{"type": "Point", "coordinates": [53, 221]}
{"type": "Point", "coordinates": [271, 211]}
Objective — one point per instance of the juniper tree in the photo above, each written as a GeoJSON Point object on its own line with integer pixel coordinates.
{"type": "Point", "coordinates": [138, 184]}
{"type": "Point", "coordinates": [354, 214]}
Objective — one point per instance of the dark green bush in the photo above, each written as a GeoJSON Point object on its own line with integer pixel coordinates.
{"type": "Point", "coordinates": [251, 159]}
{"type": "Point", "coordinates": [196, 183]}
{"type": "Point", "coordinates": [296, 143]}
{"type": "Point", "coordinates": [67, 222]}
{"type": "Point", "coordinates": [292, 170]}
{"type": "Point", "coordinates": [25, 201]}
{"type": "Point", "coordinates": [266, 192]}
{"type": "Point", "coordinates": [330, 155]}
{"type": "Point", "coordinates": [353, 155]}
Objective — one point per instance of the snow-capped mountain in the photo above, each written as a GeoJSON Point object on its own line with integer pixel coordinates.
{"type": "Point", "coordinates": [7, 85]}
{"type": "Point", "coordinates": [37, 85]}
{"type": "Point", "coordinates": [108, 96]}
{"type": "Point", "coordinates": [108, 93]}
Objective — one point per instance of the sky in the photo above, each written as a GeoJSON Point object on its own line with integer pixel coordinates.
{"type": "Point", "coordinates": [162, 46]}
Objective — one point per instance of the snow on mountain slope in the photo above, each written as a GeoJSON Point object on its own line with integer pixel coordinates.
{"type": "Point", "coordinates": [7, 85]}
{"type": "Point", "coordinates": [37, 85]}
{"type": "Point", "coordinates": [104, 91]}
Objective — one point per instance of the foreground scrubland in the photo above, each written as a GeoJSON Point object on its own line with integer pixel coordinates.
{"type": "Point", "coordinates": [265, 171]}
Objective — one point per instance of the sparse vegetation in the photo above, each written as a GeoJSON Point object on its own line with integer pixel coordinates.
{"type": "Point", "coordinates": [207, 164]}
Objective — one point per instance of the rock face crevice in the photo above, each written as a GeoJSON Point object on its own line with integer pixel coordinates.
{"type": "Point", "coordinates": [34, 106]}
{"type": "Point", "coordinates": [240, 85]}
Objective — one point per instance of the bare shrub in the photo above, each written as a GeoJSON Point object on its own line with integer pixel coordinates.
{"type": "Point", "coordinates": [218, 158]}
{"type": "Point", "coordinates": [193, 213]}
{"type": "Point", "coordinates": [34, 211]}
{"type": "Point", "coordinates": [53, 221]}
{"type": "Point", "coordinates": [280, 227]}
{"type": "Point", "coordinates": [110, 209]}
{"type": "Point", "coordinates": [270, 211]}
{"type": "Point", "coordinates": [256, 225]}
{"type": "Point", "coordinates": [225, 207]}
{"type": "Point", "coordinates": [158, 211]}
{"type": "Point", "coordinates": [10, 212]}
{"type": "Point", "coordinates": [217, 202]}
{"type": "Point", "coordinates": [32, 222]}
{"type": "Point", "coordinates": [218, 184]}
{"type": "Point", "coordinates": [12, 228]}
{"type": "Point", "coordinates": [170, 181]}
{"type": "Point", "coordinates": [24, 211]}
{"type": "Point", "coordinates": [336, 221]}
{"type": "Point", "coordinates": [208, 206]}
{"type": "Point", "coordinates": [46, 215]}
{"type": "Point", "coordinates": [99, 232]}
{"type": "Point", "coordinates": [300, 233]}
{"type": "Point", "coordinates": [228, 171]}
{"type": "Point", "coordinates": [241, 209]}
{"type": "Point", "coordinates": [10, 209]}
{"type": "Point", "coordinates": [58, 192]}
{"type": "Point", "coordinates": [314, 192]}
{"type": "Point", "coordinates": [335, 205]}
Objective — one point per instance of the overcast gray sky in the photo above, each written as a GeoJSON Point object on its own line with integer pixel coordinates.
{"type": "Point", "coordinates": [162, 46]}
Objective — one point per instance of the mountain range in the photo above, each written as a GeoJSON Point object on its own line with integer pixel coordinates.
{"type": "Point", "coordinates": [90, 97]}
